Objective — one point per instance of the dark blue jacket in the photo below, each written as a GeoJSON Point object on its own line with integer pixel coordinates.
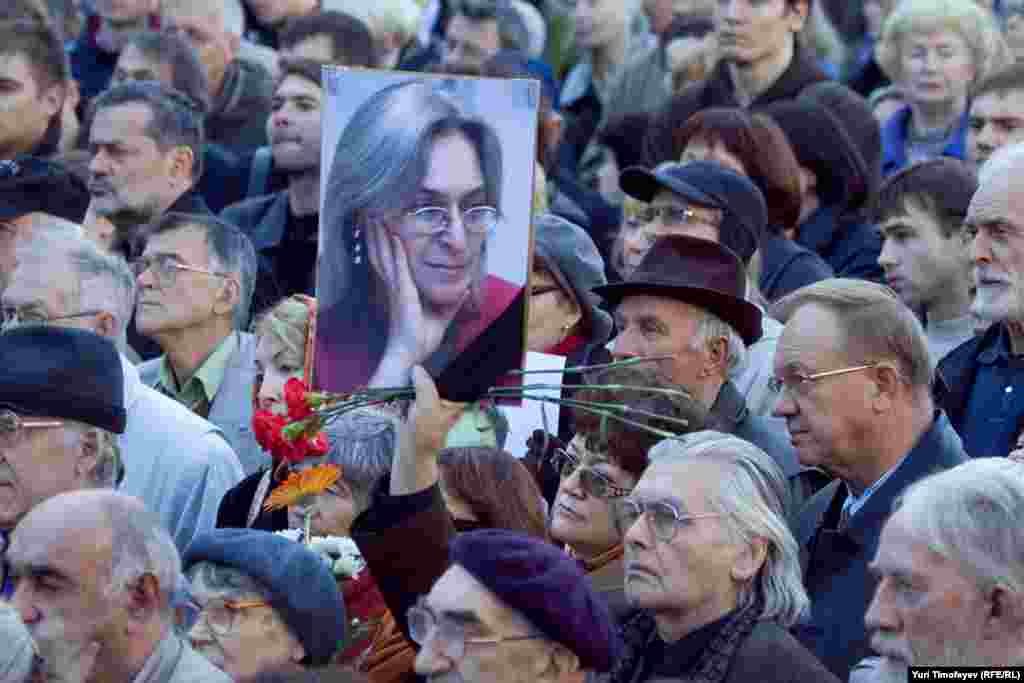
{"type": "Point", "coordinates": [836, 562]}
{"type": "Point", "coordinates": [225, 177]}
{"type": "Point", "coordinates": [91, 66]}
{"type": "Point", "coordinates": [957, 373]}
{"type": "Point", "coordinates": [848, 244]}
{"type": "Point", "coordinates": [894, 141]}
{"type": "Point", "coordinates": [264, 219]}
{"type": "Point", "coordinates": [787, 266]}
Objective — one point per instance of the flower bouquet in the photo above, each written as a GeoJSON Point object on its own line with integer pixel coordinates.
{"type": "Point", "coordinates": [299, 435]}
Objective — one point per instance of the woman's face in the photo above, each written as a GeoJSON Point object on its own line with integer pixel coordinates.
{"type": "Point", "coordinates": [632, 242]}
{"type": "Point", "coordinates": [700, 148]}
{"type": "Point", "coordinates": [938, 68]}
{"type": "Point", "coordinates": [445, 266]}
{"type": "Point", "coordinates": [553, 312]}
{"type": "Point", "coordinates": [579, 519]}
{"type": "Point", "coordinates": [276, 365]}
{"type": "Point", "coordinates": [331, 512]}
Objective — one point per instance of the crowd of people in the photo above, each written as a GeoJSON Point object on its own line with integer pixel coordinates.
{"type": "Point", "coordinates": [776, 242]}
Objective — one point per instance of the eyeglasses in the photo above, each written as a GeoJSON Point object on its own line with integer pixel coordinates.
{"type": "Point", "coordinates": [591, 481]}
{"type": "Point", "coordinates": [13, 426]}
{"type": "Point", "coordinates": [432, 221]}
{"type": "Point", "coordinates": [663, 517]}
{"type": "Point", "coordinates": [12, 317]}
{"type": "Point", "coordinates": [423, 625]}
{"type": "Point", "coordinates": [165, 269]}
{"type": "Point", "coordinates": [669, 214]}
{"type": "Point", "coordinates": [221, 615]}
{"type": "Point", "coordinates": [798, 383]}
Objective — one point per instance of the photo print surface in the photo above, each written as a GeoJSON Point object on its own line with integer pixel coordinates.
{"type": "Point", "coordinates": [425, 232]}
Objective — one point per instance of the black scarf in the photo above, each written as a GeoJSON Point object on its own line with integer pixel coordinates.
{"type": "Point", "coordinates": [639, 632]}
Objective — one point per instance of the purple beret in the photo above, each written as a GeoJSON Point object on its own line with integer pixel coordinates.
{"type": "Point", "coordinates": [546, 586]}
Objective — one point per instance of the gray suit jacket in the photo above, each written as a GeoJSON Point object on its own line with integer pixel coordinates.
{"type": "Point", "coordinates": [231, 409]}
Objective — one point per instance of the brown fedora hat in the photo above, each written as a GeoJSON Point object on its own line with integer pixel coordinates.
{"type": "Point", "coordinates": [697, 272]}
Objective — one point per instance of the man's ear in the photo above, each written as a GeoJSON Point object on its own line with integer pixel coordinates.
{"type": "Point", "coordinates": [799, 12]}
{"type": "Point", "coordinates": [229, 295]}
{"type": "Point", "coordinates": [52, 99]}
{"type": "Point", "coordinates": [88, 460]}
{"type": "Point", "coordinates": [105, 325]}
{"type": "Point", "coordinates": [717, 359]}
{"type": "Point", "coordinates": [750, 561]}
{"type": "Point", "coordinates": [888, 381]}
{"type": "Point", "coordinates": [555, 662]}
{"type": "Point", "coordinates": [183, 162]}
{"type": "Point", "coordinates": [143, 597]}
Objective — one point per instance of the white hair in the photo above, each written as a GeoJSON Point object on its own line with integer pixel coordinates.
{"type": "Point", "coordinates": [753, 497]}
{"type": "Point", "coordinates": [234, 17]}
{"type": "Point", "coordinates": [141, 546]}
{"type": "Point", "coordinates": [17, 657]}
{"type": "Point", "coordinates": [712, 327]}
{"type": "Point", "coordinates": [103, 281]}
{"type": "Point", "coordinates": [536, 28]}
{"type": "Point", "coordinates": [381, 16]}
{"type": "Point", "coordinates": [1003, 161]}
{"type": "Point", "coordinates": [970, 515]}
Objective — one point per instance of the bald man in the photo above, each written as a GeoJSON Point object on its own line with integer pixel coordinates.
{"type": "Point", "coordinates": [94, 572]}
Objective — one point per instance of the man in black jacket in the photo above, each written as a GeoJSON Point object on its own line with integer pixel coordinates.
{"type": "Point", "coordinates": [284, 225]}
{"type": "Point", "coordinates": [713, 568]}
{"type": "Point", "coordinates": [855, 378]}
{"type": "Point", "coordinates": [760, 61]}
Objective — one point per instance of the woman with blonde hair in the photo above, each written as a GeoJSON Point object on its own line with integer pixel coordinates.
{"type": "Point", "coordinates": [285, 335]}
{"type": "Point", "coordinates": [935, 51]}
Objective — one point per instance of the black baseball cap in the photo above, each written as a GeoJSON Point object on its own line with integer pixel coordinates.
{"type": "Point", "coordinates": [709, 184]}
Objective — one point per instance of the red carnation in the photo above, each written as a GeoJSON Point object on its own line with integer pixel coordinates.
{"type": "Point", "coordinates": [295, 398]}
{"type": "Point", "coordinates": [267, 428]}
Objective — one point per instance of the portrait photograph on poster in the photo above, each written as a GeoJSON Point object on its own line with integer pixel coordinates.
{"type": "Point", "coordinates": [425, 232]}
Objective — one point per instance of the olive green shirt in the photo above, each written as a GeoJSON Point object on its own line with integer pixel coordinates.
{"type": "Point", "coordinates": [199, 391]}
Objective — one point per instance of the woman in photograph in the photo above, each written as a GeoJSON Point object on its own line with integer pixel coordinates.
{"type": "Point", "coordinates": [412, 199]}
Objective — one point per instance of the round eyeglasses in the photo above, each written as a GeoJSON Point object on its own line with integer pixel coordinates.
{"type": "Point", "coordinates": [221, 615]}
{"type": "Point", "coordinates": [663, 517]}
{"type": "Point", "coordinates": [13, 427]}
{"type": "Point", "coordinates": [449, 633]}
{"type": "Point", "coordinates": [11, 318]}
{"type": "Point", "coordinates": [591, 481]}
{"type": "Point", "coordinates": [165, 269]}
{"type": "Point", "coordinates": [433, 221]}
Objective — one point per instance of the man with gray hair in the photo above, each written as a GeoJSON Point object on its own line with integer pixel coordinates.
{"type": "Point", "coordinates": [713, 567]}
{"type": "Point", "coordinates": [685, 303]}
{"type": "Point", "coordinates": [239, 89]}
{"type": "Point", "coordinates": [855, 381]}
{"type": "Point", "coordinates": [950, 580]}
{"type": "Point", "coordinates": [94, 572]}
{"type": "Point", "coordinates": [69, 282]}
{"type": "Point", "coordinates": [982, 378]}
{"type": "Point", "coordinates": [196, 277]}
{"type": "Point", "coordinates": [146, 158]}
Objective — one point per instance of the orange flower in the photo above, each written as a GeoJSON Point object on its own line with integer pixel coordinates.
{"type": "Point", "coordinates": [300, 485]}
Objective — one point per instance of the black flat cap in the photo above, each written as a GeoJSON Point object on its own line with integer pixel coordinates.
{"type": "Point", "coordinates": [63, 373]}
{"type": "Point", "coordinates": [33, 185]}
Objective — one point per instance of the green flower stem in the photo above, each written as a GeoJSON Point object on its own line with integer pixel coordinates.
{"type": "Point", "coordinates": [587, 368]}
{"type": "Point", "coordinates": [586, 407]}
{"type": "Point", "coordinates": [499, 392]}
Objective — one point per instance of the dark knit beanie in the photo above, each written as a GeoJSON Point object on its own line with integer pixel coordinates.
{"type": "Point", "coordinates": [546, 586]}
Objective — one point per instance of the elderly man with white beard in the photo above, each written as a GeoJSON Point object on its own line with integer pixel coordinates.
{"type": "Point", "coordinates": [982, 387]}
{"type": "Point", "coordinates": [950, 580]}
